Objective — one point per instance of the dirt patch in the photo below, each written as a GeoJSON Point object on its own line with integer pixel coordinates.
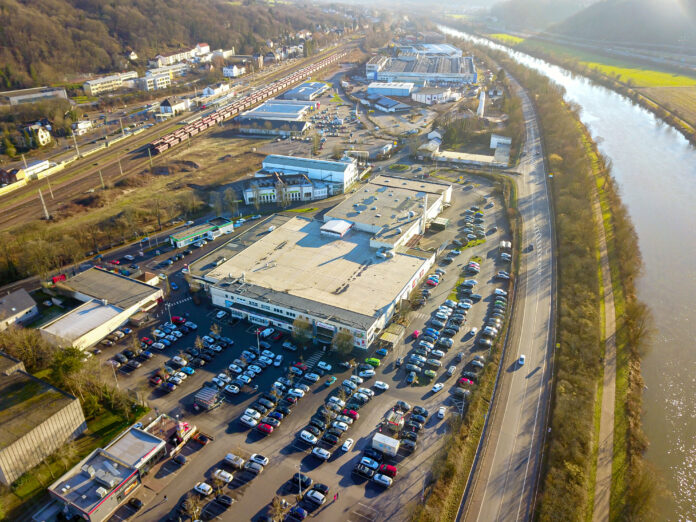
{"type": "Point", "coordinates": [176, 167]}
{"type": "Point", "coordinates": [94, 200]}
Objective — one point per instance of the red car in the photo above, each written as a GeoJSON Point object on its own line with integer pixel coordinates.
{"type": "Point", "coordinates": [147, 341]}
{"type": "Point", "coordinates": [430, 282]}
{"type": "Point", "coordinates": [277, 337]}
{"type": "Point", "coordinates": [265, 428]}
{"type": "Point", "coordinates": [415, 334]}
{"type": "Point", "coordinates": [115, 262]}
{"type": "Point", "coordinates": [156, 380]}
{"type": "Point", "coordinates": [301, 366]}
{"type": "Point", "coordinates": [388, 470]}
{"type": "Point", "coordinates": [178, 320]}
{"type": "Point", "coordinates": [351, 413]}
{"type": "Point", "coordinates": [463, 381]}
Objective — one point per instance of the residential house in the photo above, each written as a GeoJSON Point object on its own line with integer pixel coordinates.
{"type": "Point", "coordinates": [224, 54]}
{"type": "Point", "coordinates": [36, 132]}
{"type": "Point", "coordinates": [132, 56]}
{"type": "Point", "coordinates": [201, 49]}
{"type": "Point", "coordinates": [81, 127]}
{"type": "Point", "coordinates": [216, 90]}
{"type": "Point", "coordinates": [174, 106]}
{"type": "Point", "coordinates": [17, 308]}
{"type": "Point", "coordinates": [233, 71]}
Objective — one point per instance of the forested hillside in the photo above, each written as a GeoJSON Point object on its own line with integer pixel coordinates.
{"type": "Point", "coordinates": [49, 41]}
{"type": "Point", "coordinates": [665, 22]}
{"type": "Point", "coordinates": [534, 14]}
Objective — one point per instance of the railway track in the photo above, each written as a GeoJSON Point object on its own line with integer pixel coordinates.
{"type": "Point", "coordinates": [125, 158]}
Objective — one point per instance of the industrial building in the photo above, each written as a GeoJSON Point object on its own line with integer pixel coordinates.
{"type": "Point", "coordinates": [279, 188]}
{"type": "Point", "coordinates": [434, 95]}
{"type": "Point", "coordinates": [33, 95]}
{"type": "Point", "coordinates": [17, 308]}
{"type": "Point", "coordinates": [390, 89]}
{"type": "Point", "coordinates": [422, 69]}
{"type": "Point", "coordinates": [384, 104]}
{"type": "Point", "coordinates": [95, 488]}
{"type": "Point", "coordinates": [347, 274]}
{"type": "Point", "coordinates": [307, 91]}
{"type": "Point", "coordinates": [109, 300]}
{"type": "Point", "coordinates": [430, 49]}
{"type": "Point", "coordinates": [338, 175]}
{"type": "Point", "coordinates": [209, 231]}
{"type": "Point", "coordinates": [277, 118]}
{"type": "Point", "coordinates": [108, 83]}
{"type": "Point", "coordinates": [36, 419]}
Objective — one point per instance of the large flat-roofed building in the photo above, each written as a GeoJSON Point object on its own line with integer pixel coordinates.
{"type": "Point", "coordinates": [346, 274]}
{"type": "Point", "coordinates": [339, 175]}
{"type": "Point", "coordinates": [35, 419]}
{"type": "Point", "coordinates": [107, 83]}
{"type": "Point", "coordinates": [279, 188]}
{"type": "Point", "coordinates": [34, 95]}
{"type": "Point", "coordinates": [16, 308]}
{"type": "Point", "coordinates": [276, 118]}
{"type": "Point", "coordinates": [109, 301]}
{"type": "Point", "coordinates": [430, 49]}
{"type": "Point", "coordinates": [390, 89]}
{"type": "Point", "coordinates": [106, 478]}
{"type": "Point", "coordinates": [422, 69]}
{"type": "Point", "coordinates": [307, 91]}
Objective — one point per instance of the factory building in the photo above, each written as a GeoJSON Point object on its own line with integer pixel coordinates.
{"type": "Point", "coordinates": [390, 89]}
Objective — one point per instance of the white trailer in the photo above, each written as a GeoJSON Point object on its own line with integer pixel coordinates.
{"type": "Point", "coordinates": [386, 445]}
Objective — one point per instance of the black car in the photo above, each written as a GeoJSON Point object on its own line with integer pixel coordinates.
{"type": "Point", "coordinates": [413, 426]}
{"type": "Point", "coordinates": [452, 326]}
{"type": "Point", "coordinates": [299, 481]}
{"type": "Point", "coordinates": [364, 471]}
{"type": "Point", "coordinates": [206, 357]}
{"type": "Point", "coordinates": [265, 402]}
{"type": "Point", "coordinates": [428, 339]}
{"type": "Point", "coordinates": [399, 362]}
{"type": "Point", "coordinates": [225, 500]}
{"type": "Point", "coordinates": [184, 329]}
{"type": "Point", "coordinates": [408, 445]}
{"type": "Point", "coordinates": [135, 503]}
{"type": "Point", "coordinates": [320, 424]}
{"type": "Point", "coordinates": [180, 460]}
{"type": "Point", "coordinates": [269, 397]}
{"type": "Point", "coordinates": [330, 438]}
{"type": "Point", "coordinates": [420, 410]}
{"type": "Point", "coordinates": [129, 354]}
{"type": "Point", "coordinates": [194, 352]}
{"type": "Point", "coordinates": [260, 408]}
{"type": "Point", "coordinates": [198, 362]}
{"type": "Point", "coordinates": [436, 323]}
{"type": "Point", "coordinates": [449, 332]}
{"type": "Point", "coordinates": [272, 421]}
{"type": "Point", "coordinates": [457, 319]}
{"type": "Point", "coordinates": [313, 430]}
{"type": "Point", "coordinates": [375, 455]}
{"type": "Point", "coordinates": [403, 405]}
{"type": "Point", "coordinates": [283, 409]}
{"type": "Point", "coordinates": [187, 252]}
{"type": "Point", "coordinates": [471, 376]}
{"type": "Point", "coordinates": [409, 435]}
{"type": "Point", "coordinates": [334, 431]}
{"type": "Point", "coordinates": [418, 418]}
{"type": "Point", "coordinates": [354, 405]}
{"type": "Point", "coordinates": [321, 488]}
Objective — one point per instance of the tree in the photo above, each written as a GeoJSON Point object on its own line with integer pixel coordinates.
{"type": "Point", "coordinates": [215, 329]}
{"type": "Point", "coordinates": [277, 510]}
{"type": "Point", "coordinates": [302, 331]}
{"type": "Point", "coordinates": [66, 363]}
{"type": "Point", "coordinates": [282, 195]}
{"type": "Point", "coordinates": [231, 200]}
{"type": "Point", "coordinates": [9, 147]}
{"type": "Point", "coordinates": [256, 195]}
{"type": "Point", "coordinates": [193, 506]}
{"type": "Point", "coordinates": [343, 342]}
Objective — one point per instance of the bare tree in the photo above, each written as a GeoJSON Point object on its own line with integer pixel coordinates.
{"type": "Point", "coordinates": [193, 506]}
{"type": "Point", "coordinates": [256, 195]}
{"type": "Point", "coordinates": [277, 511]}
{"type": "Point", "coordinates": [231, 200]}
{"type": "Point", "coordinates": [301, 331]}
{"type": "Point", "coordinates": [343, 342]}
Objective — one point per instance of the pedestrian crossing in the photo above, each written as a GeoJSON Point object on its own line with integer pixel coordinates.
{"type": "Point", "coordinates": [181, 301]}
{"type": "Point", "coordinates": [314, 359]}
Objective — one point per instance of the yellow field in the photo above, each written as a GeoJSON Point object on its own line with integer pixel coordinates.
{"type": "Point", "coordinates": [682, 100]}
{"type": "Point", "coordinates": [506, 39]}
{"type": "Point", "coordinates": [641, 76]}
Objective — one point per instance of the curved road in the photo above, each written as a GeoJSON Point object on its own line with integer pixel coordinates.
{"type": "Point", "coordinates": [505, 480]}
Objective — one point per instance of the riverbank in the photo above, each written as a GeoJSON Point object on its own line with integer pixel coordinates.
{"type": "Point", "coordinates": [670, 103]}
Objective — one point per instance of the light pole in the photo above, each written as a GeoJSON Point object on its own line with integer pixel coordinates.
{"type": "Point", "coordinates": [258, 343]}
{"type": "Point", "coordinates": [299, 479]}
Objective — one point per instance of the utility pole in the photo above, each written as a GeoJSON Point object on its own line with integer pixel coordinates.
{"type": "Point", "coordinates": [25, 161]}
{"type": "Point", "coordinates": [149, 155]}
{"type": "Point", "coordinates": [119, 166]}
{"type": "Point", "coordinates": [102, 180]}
{"type": "Point", "coordinates": [48, 180]}
{"type": "Point", "coordinates": [43, 203]}
{"type": "Point", "coordinates": [123, 133]}
{"type": "Point", "coordinates": [77, 149]}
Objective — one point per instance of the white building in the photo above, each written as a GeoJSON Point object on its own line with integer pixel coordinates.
{"type": "Point", "coordinates": [109, 301]}
{"type": "Point", "coordinates": [390, 88]}
{"type": "Point", "coordinates": [433, 95]}
{"type": "Point", "coordinates": [107, 83]}
{"type": "Point", "coordinates": [277, 188]}
{"type": "Point", "coordinates": [17, 308]}
{"type": "Point", "coordinates": [175, 106]}
{"type": "Point", "coordinates": [177, 69]}
{"type": "Point", "coordinates": [339, 175]}
{"type": "Point", "coordinates": [201, 49]}
{"type": "Point", "coordinates": [81, 127]}
{"type": "Point", "coordinates": [500, 140]}
{"type": "Point", "coordinates": [224, 54]}
{"type": "Point", "coordinates": [216, 90]}
{"type": "Point", "coordinates": [155, 82]}
{"type": "Point", "coordinates": [233, 71]}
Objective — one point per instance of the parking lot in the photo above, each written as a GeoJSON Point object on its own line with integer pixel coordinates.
{"type": "Point", "coordinates": [358, 498]}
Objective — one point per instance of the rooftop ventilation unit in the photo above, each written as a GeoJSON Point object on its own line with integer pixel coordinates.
{"type": "Point", "coordinates": [88, 470]}
{"type": "Point", "coordinates": [101, 492]}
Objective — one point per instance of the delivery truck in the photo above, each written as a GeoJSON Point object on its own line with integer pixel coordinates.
{"type": "Point", "coordinates": [386, 445]}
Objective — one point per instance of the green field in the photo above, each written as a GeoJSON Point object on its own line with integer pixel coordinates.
{"type": "Point", "coordinates": [639, 75]}
{"type": "Point", "coordinates": [506, 39]}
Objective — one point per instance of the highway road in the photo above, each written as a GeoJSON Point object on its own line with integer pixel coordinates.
{"type": "Point", "coordinates": [505, 481]}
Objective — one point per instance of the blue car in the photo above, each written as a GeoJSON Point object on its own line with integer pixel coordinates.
{"type": "Point", "coordinates": [188, 370]}
{"type": "Point", "coordinates": [382, 352]}
{"type": "Point", "coordinates": [431, 332]}
{"type": "Point", "coordinates": [174, 286]}
{"type": "Point", "coordinates": [147, 354]}
{"type": "Point", "coordinates": [298, 513]}
{"type": "Point", "coordinates": [276, 415]}
{"type": "Point", "coordinates": [165, 342]}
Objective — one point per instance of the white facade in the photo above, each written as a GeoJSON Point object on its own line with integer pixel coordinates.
{"type": "Point", "coordinates": [233, 71]}
{"type": "Point", "coordinates": [334, 172]}
{"type": "Point", "coordinates": [430, 96]}
{"type": "Point", "coordinates": [390, 89]}
{"type": "Point", "coordinates": [174, 106]}
{"type": "Point", "coordinates": [156, 82]}
{"type": "Point", "coordinates": [81, 127]}
{"type": "Point", "coordinates": [300, 192]}
{"type": "Point", "coordinates": [499, 140]}
{"type": "Point", "coordinates": [172, 70]}
{"type": "Point", "coordinates": [201, 49]}
{"type": "Point", "coordinates": [107, 83]}
{"type": "Point", "coordinates": [216, 90]}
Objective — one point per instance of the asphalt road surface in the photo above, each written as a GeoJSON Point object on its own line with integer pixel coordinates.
{"type": "Point", "coordinates": [506, 478]}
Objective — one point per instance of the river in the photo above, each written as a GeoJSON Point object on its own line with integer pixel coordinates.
{"type": "Point", "coordinates": [655, 168]}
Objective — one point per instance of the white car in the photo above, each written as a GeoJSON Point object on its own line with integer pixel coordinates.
{"type": "Point", "coordinates": [254, 368]}
{"type": "Point", "coordinates": [314, 496]}
{"type": "Point", "coordinates": [208, 340]}
{"type": "Point", "coordinates": [174, 380]}
{"type": "Point", "coordinates": [278, 360]}
{"type": "Point", "coordinates": [249, 356]}
{"type": "Point", "coordinates": [381, 385]}
{"type": "Point", "coordinates": [451, 370]}
{"type": "Point", "coordinates": [321, 453]}
{"type": "Point", "coordinates": [366, 391]}
{"type": "Point", "coordinates": [345, 419]}
{"type": "Point", "coordinates": [268, 353]}
{"type": "Point", "coordinates": [181, 375]}
{"type": "Point", "coordinates": [522, 360]}
{"type": "Point", "coordinates": [157, 346]}
{"type": "Point", "coordinates": [252, 413]}
{"type": "Point", "coordinates": [311, 377]}
{"type": "Point", "coordinates": [162, 276]}
{"type": "Point", "coordinates": [231, 388]}
{"type": "Point", "coordinates": [223, 475]}
{"type": "Point", "coordinates": [347, 445]}
{"type": "Point", "coordinates": [177, 334]}
{"type": "Point", "coordinates": [366, 374]}
{"type": "Point", "coordinates": [191, 325]}
{"type": "Point", "coordinates": [437, 387]}
{"type": "Point", "coordinates": [220, 314]}
{"type": "Point", "coordinates": [266, 360]}
{"type": "Point", "coordinates": [324, 366]}
{"type": "Point", "coordinates": [382, 480]}
{"type": "Point", "coordinates": [224, 377]}
{"type": "Point", "coordinates": [203, 488]}
{"type": "Point", "coordinates": [356, 379]}
{"type": "Point", "coordinates": [296, 392]}
{"type": "Point", "coordinates": [473, 331]}
{"type": "Point", "coordinates": [441, 412]}
{"type": "Point", "coordinates": [308, 437]}
{"type": "Point", "coordinates": [234, 368]}
{"type": "Point", "coordinates": [362, 397]}
{"type": "Point", "coordinates": [347, 383]}
{"type": "Point", "coordinates": [249, 421]}
{"type": "Point", "coordinates": [259, 459]}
